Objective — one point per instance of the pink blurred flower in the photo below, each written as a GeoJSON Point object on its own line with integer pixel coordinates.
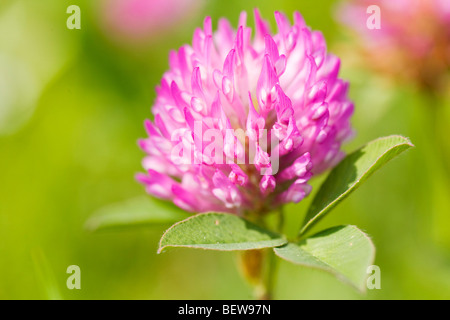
{"type": "Point", "coordinates": [285, 85]}
{"type": "Point", "coordinates": [140, 19]}
{"type": "Point", "coordinates": [413, 42]}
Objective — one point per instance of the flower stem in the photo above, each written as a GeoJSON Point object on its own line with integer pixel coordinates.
{"type": "Point", "coordinates": [271, 275]}
{"type": "Point", "coordinates": [272, 266]}
{"type": "Point", "coordinates": [259, 267]}
{"type": "Point", "coordinates": [251, 266]}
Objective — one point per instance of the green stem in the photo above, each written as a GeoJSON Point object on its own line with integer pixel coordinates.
{"type": "Point", "coordinates": [272, 266]}
{"type": "Point", "coordinates": [252, 266]}
{"type": "Point", "coordinates": [271, 275]}
{"type": "Point", "coordinates": [280, 225]}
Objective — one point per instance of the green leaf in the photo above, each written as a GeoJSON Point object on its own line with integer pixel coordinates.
{"type": "Point", "coordinates": [343, 251]}
{"type": "Point", "coordinates": [219, 231]}
{"type": "Point", "coordinates": [350, 173]}
{"type": "Point", "coordinates": [135, 212]}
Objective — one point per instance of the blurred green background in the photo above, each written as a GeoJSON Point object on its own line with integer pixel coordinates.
{"type": "Point", "coordinates": [72, 106]}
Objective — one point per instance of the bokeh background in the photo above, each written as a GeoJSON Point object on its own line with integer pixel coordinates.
{"type": "Point", "coordinates": [72, 106]}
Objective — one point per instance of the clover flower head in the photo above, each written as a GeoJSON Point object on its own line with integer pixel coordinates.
{"type": "Point", "coordinates": [139, 20]}
{"type": "Point", "coordinates": [242, 122]}
{"type": "Point", "coordinates": [411, 42]}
